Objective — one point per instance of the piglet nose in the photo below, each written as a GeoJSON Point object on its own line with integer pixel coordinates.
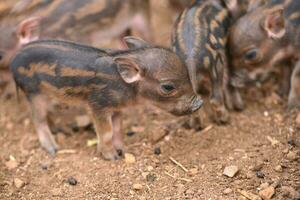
{"type": "Point", "coordinates": [196, 104]}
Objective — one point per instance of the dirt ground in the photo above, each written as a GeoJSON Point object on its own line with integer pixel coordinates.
{"type": "Point", "coordinates": [262, 142]}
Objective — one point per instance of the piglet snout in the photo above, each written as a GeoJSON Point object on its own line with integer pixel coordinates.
{"type": "Point", "coordinates": [196, 104]}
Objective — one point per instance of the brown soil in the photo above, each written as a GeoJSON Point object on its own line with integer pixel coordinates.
{"type": "Point", "coordinates": [246, 143]}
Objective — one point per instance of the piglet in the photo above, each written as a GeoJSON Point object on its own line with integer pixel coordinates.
{"type": "Point", "coordinates": [265, 38]}
{"type": "Point", "coordinates": [105, 82]}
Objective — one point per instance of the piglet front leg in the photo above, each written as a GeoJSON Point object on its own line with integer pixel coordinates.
{"type": "Point", "coordinates": [294, 95]}
{"type": "Point", "coordinates": [103, 126]}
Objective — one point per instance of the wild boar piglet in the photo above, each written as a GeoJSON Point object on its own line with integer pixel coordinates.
{"type": "Point", "coordinates": [104, 81]}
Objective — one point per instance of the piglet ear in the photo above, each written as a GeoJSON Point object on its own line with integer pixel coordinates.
{"type": "Point", "coordinates": [274, 24]}
{"type": "Point", "coordinates": [28, 30]}
{"type": "Point", "coordinates": [128, 69]}
{"type": "Point", "coordinates": [135, 43]}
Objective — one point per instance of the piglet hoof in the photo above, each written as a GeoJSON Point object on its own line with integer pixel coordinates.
{"type": "Point", "coordinates": [220, 113]}
{"type": "Point", "coordinates": [239, 104]}
{"type": "Point", "coordinates": [52, 151]}
{"type": "Point", "coordinates": [112, 154]}
{"type": "Point", "coordinates": [196, 123]}
{"type": "Point", "coordinates": [293, 105]}
{"type": "Point", "coordinates": [222, 117]}
{"type": "Point", "coordinates": [50, 147]}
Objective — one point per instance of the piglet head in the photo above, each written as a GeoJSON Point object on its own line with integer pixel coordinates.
{"type": "Point", "coordinates": [257, 40]}
{"type": "Point", "coordinates": [159, 76]}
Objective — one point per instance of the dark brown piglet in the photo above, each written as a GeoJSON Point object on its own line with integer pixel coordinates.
{"type": "Point", "coordinates": [200, 38]}
{"type": "Point", "coordinates": [105, 82]}
{"type": "Point", "coordinates": [265, 38]}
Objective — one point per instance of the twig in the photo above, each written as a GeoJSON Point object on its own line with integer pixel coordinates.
{"type": "Point", "coordinates": [149, 189]}
{"type": "Point", "coordinates": [249, 195]}
{"type": "Point", "coordinates": [185, 179]}
{"type": "Point", "coordinates": [67, 151]}
{"type": "Point", "coordinates": [181, 179]}
{"type": "Point", "coordinates": [170, 175]}
{"type": "Point", "coordinates": [179, 164]}
{"type": "Point", "coordinates": [207, 129]}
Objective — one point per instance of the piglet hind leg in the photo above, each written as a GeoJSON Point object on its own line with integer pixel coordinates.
{"type": "Point", "coordinates": [39, 105]}
{"type": "Point", "coordinates": [117, 133]}
{"type": "Point", "coordinates": [103, 126]}
{"type": "Point", "coordinates": [294, 95]}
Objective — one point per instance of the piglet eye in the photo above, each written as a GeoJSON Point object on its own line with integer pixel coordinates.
{"type": "Point", "coordinates": [251, 55]}
{"type": "Point", "coordinates": [167, 88]}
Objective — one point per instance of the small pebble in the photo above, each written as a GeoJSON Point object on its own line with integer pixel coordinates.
{"type": "Point", "coordinates": [19, 183]}
{"type": "Point", "coordinates": [137, 186]}
{"type": "Point", "coordinates": [193, 171]}
{"type": "Point", "coordinates": [130, 133]}
{"type": "Point", "coordinates": [258, 166]}
{"type": "Point", "coordinates": [263, 186]}
{"type": "Point", "coordinates": [157, 151]}
{"type": "Point", "coordinates": [259, 174]}
{"type": "Point", "coordinates": [249, 175]}
{"type": "Point", "coordinates": [129, 158]}
{"type": "Point", "coordinates": [83, 121]}
{"type": "Point", "coordinates": [291, 156]}
{"type": "Point", "coordinates": [230, 171]}
{"type": "Point", "coordinates": [149, 168]}
{"type": "Point", "coordinates": [227, 191]}
{"type": "Point", "coordinates": [145, 174]}
{"type": "Point", "coordinates": [278, 168]}
{"type": "Point", "coordinates": [72, 181]}
{"type": "Point", "coordinates": [267, 193]}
